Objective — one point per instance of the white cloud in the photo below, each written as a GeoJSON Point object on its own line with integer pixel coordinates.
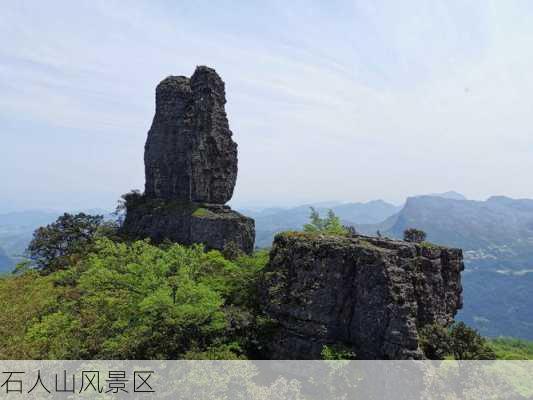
{"type": "Point", "coordinates": [353, 102]}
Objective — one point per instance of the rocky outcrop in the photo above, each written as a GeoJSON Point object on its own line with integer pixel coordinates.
{"type": "Point", "coordinates": [188, 223]}
{"type": "Point", "coordinates": [189, 154]}
{"type": "Point", "coordinates": [368, 294]}
{"type": "Point", "coordinates": [191, 169]}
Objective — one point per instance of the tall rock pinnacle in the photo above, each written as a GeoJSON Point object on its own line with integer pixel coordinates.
{"type": "Point", "coordinates": [191, 168]}
{"type": "Point", "coordinates": [189, 154]}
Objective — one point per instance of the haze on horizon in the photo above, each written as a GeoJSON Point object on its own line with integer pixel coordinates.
{"type": "Point", "coordinates": [348, 101]}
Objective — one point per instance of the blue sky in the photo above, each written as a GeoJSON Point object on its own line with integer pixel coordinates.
{"type": "Point", "coordinates": [327, 100]}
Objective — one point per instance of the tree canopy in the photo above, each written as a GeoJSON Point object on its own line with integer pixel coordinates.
{"type": "Point", "coordinates": [330, 225]}
{"type": "Point", "coordinates": [66, 240]}
{"type": "Point", "coordinates": [135, 301]}
{"type": "Point", "coordinates": [414, 235]}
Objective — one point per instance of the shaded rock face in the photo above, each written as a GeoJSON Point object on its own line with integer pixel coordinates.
{"type": "Point", "coordinates": [371, 295]}
{"type": "Point", "coordinates": [188, 223]}
{"type": "Point", "coordinates": [189, 154]}
{"type": "Point", "coordinates": [191, 169]}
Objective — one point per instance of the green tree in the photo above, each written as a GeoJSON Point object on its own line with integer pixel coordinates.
{"type": "Point", "coordinates": [137, 301]}
{"type": "Point", "coordinates": [337, 352]}
{"type": "Point", "coordinates": [231, 251]}
{"type": "Point", "coordinates": [24, 299]}
{"type": "Point", "coordinates": [128, 201]}
{"type": "Point", "coordinates": [65, 241]}
{"type": "Point", "coordinates": [316, 224]}
{"type": "Point", "coordinates": [414, 235]}
{"type": "Point", "coordinates": [435, 341]}
{"type": "Point", "coordinates": [468, 344]}
{"type": "Point", "coordinates": [331, 225]}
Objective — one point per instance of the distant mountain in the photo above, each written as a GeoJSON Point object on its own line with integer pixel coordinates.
{"type": "Point", "coordinates": [16, 229]}
{"type": "Point", "coordinates": [497, 238]}
{"type": "Point", "coordinates": [270, 221]}
{"type": "Point", "coordinates": [497, 232]}
{"type": "Point", "coordinates": [452, 195]}
{"type": "Point", "coordinates": [24, 219]}
{"type": "Point", "coordinates": [498, 303]}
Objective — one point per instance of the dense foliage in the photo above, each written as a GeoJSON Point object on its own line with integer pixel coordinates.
{"type": "Point", "coordinates": [414, 235]}
{"type": "Point", "coordinates": [93, 296]}
{"type": "Point", "coordinates": [458, 341]}
{"type": "Point", "coordinates": [68, 239]}
{"type": "Point", "coordinates": [330, 225]}
{"type": "Point", "coordinates": [135, 301]}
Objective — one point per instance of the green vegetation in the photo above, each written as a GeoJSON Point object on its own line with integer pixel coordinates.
{"type": "Point", "coordinates": [414, 235]}
{"type": "Point", "coordinates": [337, 352]}
{"type": "Point", "coordinates": [511, 348]}
{"type": "Point", "coordinates": [458, 341]}
{"type": "Point", "coordinates": [135, 301]}
{"type": "Point", "coordinates": [331, 225]}
{"type": "Point", "coordinates": [135, 200]}
{"type": "Point", "coordinates": [89, 295]}
{"type": "Point", "coordinates": [202, 212]}
{"type": "Point", "coordinates": [68, 239]}
{"type": "Point", "coordinates": [428, 245]}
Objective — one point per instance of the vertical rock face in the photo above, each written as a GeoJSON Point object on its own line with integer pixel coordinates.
{"type": "Point", "coordinates": [369, 294]}
{"type": "Point", "coordinates": [191, 169]}
{"type": "Point", "coordinates": [189, 153]}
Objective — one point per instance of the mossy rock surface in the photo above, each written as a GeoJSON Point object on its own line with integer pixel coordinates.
{"type": "Point", "coordinates": [201, 212]}
{"type": "Point", "coordinates": [187, 223]}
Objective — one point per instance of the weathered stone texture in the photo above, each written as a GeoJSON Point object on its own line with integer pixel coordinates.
{"type": "Point", "coordinates": [189, 153]}
{"type": "Point", "coordinates": [368, 294]}
{"type": "Point", "coordinates": [188, 223]}
{"type": "Point", "coordinates": [191, 169]}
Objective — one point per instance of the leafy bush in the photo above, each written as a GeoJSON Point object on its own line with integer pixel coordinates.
{"type": "Point", "coordinates": [459, 341]}
{"type": "Point", "coordinates": [67, 240]}
{"type": "Point", "coordinates": [129, 200]}
{"type": "Point", "coordinates": [435, 341]}
{"type": "Point", "coordinates": [231, 251]}
{"type": "Point", "coordinates": [414, 235]}
{"type": "Point", "coordinates": [135, 301]}
{"type": "Point", "coordinates": [337, 352]}
{"type": "Point", "coordinates": [331, 225]}
{"type": "Point", "coordinates": [468, 344]}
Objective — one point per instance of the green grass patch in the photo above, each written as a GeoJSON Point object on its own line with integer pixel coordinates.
{"type": "Point", "coordinates": [428, 245]}
{"type": "Point", "coordinates": [202, 213]}
{"type": "Point", "coordinates": [512, 349]}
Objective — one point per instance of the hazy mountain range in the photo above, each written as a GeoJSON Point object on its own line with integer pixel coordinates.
{"type": "Point", "coordinates": [494, 233]}
{"type": "Point", "coordinates": [496, 236]}
{"type": "Point", "coordinates": [270, 221]}
{"type": "Point", "coordinates": [16, 230]}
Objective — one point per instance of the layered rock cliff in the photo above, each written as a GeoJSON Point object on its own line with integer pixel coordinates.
{"type": "Point", "coordinates": [191, 169]}
{"type": "Point", "coordinates": [370, 295]}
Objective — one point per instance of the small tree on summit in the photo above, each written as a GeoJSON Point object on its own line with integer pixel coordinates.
{"type": "Point", "coordinates": [414, 235]}
{"type": "Point", "coordinates": [331, 225]}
